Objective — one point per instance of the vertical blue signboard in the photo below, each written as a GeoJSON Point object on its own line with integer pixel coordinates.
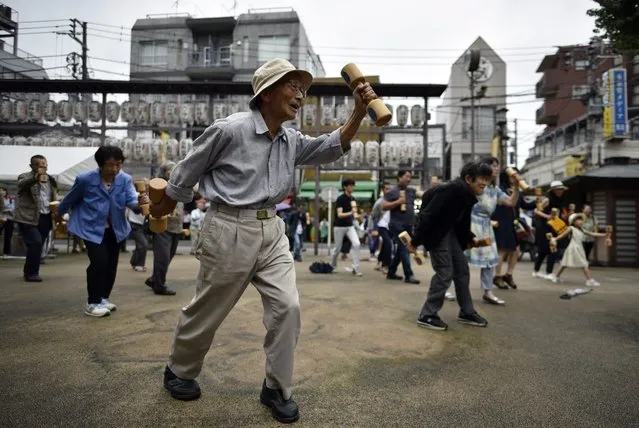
{"type": "Point", "coordinates": [619, 102]}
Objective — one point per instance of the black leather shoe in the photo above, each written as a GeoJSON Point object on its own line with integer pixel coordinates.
{"type": "Point", "coordinates": [164, 291]}
{"type": "Point", "coordinates": [394, 276]}
{"type": "Point", "coordinates": [411, 280]}
{"type": "Point", "coordinates": [149, 282]}
{"type": "Point", "coordinates": [181, 389]}
{"type": "Point", "coordinates": [33, 278]}
{"type": "Point", "coordinates": [284, 411]}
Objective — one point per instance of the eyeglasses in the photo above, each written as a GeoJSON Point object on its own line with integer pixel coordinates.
{"type": "Point", "coordinates": [296, 85]}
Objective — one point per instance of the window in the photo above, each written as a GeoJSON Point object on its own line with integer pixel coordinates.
{"type": "Point", "coordinates": [581, 64]}
{"type": "Point", "coordinates": [154, 53]}
{"type": "Point", "coordinates": [245, 49]}
{"type": "Point", "coordinates": [559, 176]}
{"type": "Point", "coordinates": [484, 123]}
{"type": "Point", "coordinates": [578, 91]}
{"type": "Point", "coordinates": [270, 47]}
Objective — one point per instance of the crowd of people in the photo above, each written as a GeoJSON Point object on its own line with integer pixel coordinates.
{"type": "Point", "coordinates": [242, 166]}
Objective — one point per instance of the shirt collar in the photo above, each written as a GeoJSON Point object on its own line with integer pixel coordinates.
{"type": "Point", "coordinates": [260, 124]}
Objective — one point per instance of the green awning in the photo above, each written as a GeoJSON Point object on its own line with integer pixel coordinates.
{"type": "Point", "coordinates": [369, 186]}
{"type": "Point", "coordinates": [360, 195]}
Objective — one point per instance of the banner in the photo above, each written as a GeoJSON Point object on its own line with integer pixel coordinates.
{"type": "Point", "coordinates": [615, 103]}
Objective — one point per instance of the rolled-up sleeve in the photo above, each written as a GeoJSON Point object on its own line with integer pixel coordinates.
{"type": "Point", "coordinates": [317, 150]}
{"type": "Point", "coordinates": [202, 158]}
{"type": "Point", "coordinates": [131, 194]}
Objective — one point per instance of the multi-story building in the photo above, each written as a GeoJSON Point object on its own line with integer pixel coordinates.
{"type": "Point", "coordinates": [182, 48]}
{"type": "Point", "coordinates": [573, 138]}
{"type": "Point", "coordinates": [455, 110]}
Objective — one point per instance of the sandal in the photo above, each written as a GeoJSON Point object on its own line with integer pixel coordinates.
{"type": "Point", "coordinates": [498, 281]}
{"type": "Point", "coordinates": [508, 279]}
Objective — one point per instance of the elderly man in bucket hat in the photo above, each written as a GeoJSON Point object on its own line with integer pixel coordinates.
{"type": "Point", "coordinates": [245, 165]}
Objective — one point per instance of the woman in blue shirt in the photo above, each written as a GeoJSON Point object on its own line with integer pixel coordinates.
{"type": "Point", "coordinates": [98, 199]}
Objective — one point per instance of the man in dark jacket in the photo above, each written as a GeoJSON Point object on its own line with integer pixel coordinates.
{"type": "Point", "coordinates": [444, 230]}
{"type": "Point", "coordinates": [36, 190]}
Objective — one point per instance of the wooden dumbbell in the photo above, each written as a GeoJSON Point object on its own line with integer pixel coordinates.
{"type": "Point", "coordinates": [406, 240]}
{"type": "Point", "coordinates": [157, 188]}
{"type": "Point", "coordinates": [140, 187]}
{"type": "Point", "coordinates": [377, 110]}
{"type": "Point", "coordinates": [609, 236]}
{"type": "Point", "coordinates": [522, 183]}
{"type": "Point", "coordinates": [484, 242]}
{"type": "Point", "coordinates": [551, 242]}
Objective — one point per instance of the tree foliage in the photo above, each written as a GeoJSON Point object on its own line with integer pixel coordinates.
{"type": "Point", "coordinates": [618, 22]}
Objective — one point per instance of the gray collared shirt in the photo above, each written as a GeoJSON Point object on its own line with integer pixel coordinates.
{"type": "Point", "coordinates": [45, 197]}
{"type": "Point", "coordinates": [237, 163]}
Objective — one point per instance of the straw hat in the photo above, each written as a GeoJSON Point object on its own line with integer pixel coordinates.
{"type": "Point", "coordinates": [557, 185]}
{"type": "Point", "coordinates": [274, 70]}
{"type": "Point", "coordinates": [574, 217]}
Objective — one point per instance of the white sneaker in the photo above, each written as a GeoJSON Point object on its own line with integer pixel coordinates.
{"type": "Point", "coordinates": [449, 296]}
{"type": "Point", "coordinates": [110, 306]}
{"type": "Point", "coordinates": [551, 277]}
{"type": "Point", "coordinates": [592, 283]}
{"type": "Point", "coordinates": [96, 310]}
{"type": "Point", "coordinates": [354, 271]}
{"type": "Point", "coordinates": [536, 274]}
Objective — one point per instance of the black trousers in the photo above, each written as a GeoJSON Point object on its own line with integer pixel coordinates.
{"type": "Point", "coordinates": [34, 237]}
{"type": "Point", "coordinates": [103, 266]}
{"type": "Point", "coordinates": [386, 253]}
{"type": "Point", "coordinates": [588, 248]}
{"type": "Point", "coordinates": [7, 228]}
{"type": "Point", "coordinates": [138, 258]}
{"type": "Point", "coordinates": [450, 265]}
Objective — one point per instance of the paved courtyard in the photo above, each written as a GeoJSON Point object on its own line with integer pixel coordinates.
{"type": "Point", "coordinates": [361, 360]}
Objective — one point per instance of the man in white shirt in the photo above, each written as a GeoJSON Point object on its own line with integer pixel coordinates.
{"type": "Point", "coordinates": [197, 217]}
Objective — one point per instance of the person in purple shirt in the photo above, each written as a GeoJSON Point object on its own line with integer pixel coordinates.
{"type": "Point", "coordinates": [98, 199]}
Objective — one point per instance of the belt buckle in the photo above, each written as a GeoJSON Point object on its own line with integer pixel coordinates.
{"type": "Point", "coordinates": [262, 214]}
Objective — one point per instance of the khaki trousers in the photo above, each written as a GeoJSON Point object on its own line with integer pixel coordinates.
{"type": "Point", "coordinates": [235, 248]}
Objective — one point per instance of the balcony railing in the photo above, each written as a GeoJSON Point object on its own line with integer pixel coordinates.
{"type": "Point", "coordinates": [544, 88]}
{"type": "Point", "coordinates": [544, 118]}
{"type": "Point", "coordinates": [209, 57]}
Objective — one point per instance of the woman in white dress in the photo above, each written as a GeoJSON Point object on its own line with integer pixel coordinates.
{"type": "Point", "coordinates": [575, 255]}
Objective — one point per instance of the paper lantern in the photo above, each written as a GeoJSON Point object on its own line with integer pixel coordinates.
{"type": "Point", "coordinates": [394, 153]}
{"type": "Point", "coordinates": [155, 149]}
{"type": "Point", "coordinates": [417, 115]}
{"type": "Point", "coordinates": [112, 142]}
{"type": "Point", "coordinates": [19, 141]}
{"type": "Point", "coordinates": [65, 111]}
{"type": "Point", "coordinates": [138, 150]}
{"type": "Point", "coordinates": [187, 113]}
{"type": "Point", "coordinates": [21, 112]}
{"type": "Point", "coordinates": [327, 115]}
{"type": "Point", "coordinates": [342, 113]}
{"type": "Point", "coordinates": [6, 111]}
{"type": "Point", "coordinates": [220, 111]}
{"type": "Point", "coordinates": [50, 111]}
{"type": "Point", "coordinates": [356, 155]}
{"type": "Point", "coordinates": [34, 141]}
{"type": "Point", "coordinates": [67, 142]}
{"type": "Point", "coordinates": [52, 142]}
{"type": "Point", "coordinates": [402, 115]}
{"type": "Point", "coordinates": [309, 111]}
{"type": "Point", "coordinates": [127, 113]}
{"type": "Point", "coordinates": [384, 153]}
{"type": "Point", "coordinates": [403, 153]}
{"type": "Point", "coordinates": [418, 153]}
{"type": "Point", "coordinates": [158, 113]}
{"type": "Point", "coordinates": [142, 113]}
{"type": "Point", "coordinates": [80, 111]}
{"type": "Point", "coordinates": [202, 113]}
{"type": "Point", "coordinates": [371, 151]}
{"type": "Point", "coordinates": [94, 142]}
{"type": "Point", "coordinates": [185, 147]}
{"type": "Point", "coordinates": [171, 150]}
{"type": "Point", "coordinates": [95, 111]}
{"type": "Point", "coordinates": [5, 140]}
{"type": "Point", "coordinates": [35, 111]}
{"type": "Point", "coordinates": [112, 111]}
{"type": "Point", "coordinates": [235, 108]}
{"type": "Point", "coordinates": [127, 146]}
{"type": "Point", "coordinates": [172, 113]}
{"type": "Point", "coordinates": [79, 142]}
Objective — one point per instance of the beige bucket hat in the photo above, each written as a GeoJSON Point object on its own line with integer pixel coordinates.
{"type": "Point", "coordinates": [272, 71]}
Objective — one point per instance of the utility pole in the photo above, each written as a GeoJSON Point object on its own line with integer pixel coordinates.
{"type": "Point", "coordinates": [472, 116]}
{"type": "Point", "coordinates": [73, 33]}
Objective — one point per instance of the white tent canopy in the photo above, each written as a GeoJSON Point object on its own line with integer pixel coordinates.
{"type": "Point", "coordinates": [65, 163]}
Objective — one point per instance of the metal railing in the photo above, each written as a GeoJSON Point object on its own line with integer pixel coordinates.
{"type": "Point", "coordinates": [209, 57]}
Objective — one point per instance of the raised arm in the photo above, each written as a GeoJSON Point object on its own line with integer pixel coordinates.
{"type": "Point", "coordinates": [25, 181]}
{"type": "Point", "coordinates": [72, 198]}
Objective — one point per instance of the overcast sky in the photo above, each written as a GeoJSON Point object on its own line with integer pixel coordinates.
{"type": "Point", "coordinates": [406, 41]}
